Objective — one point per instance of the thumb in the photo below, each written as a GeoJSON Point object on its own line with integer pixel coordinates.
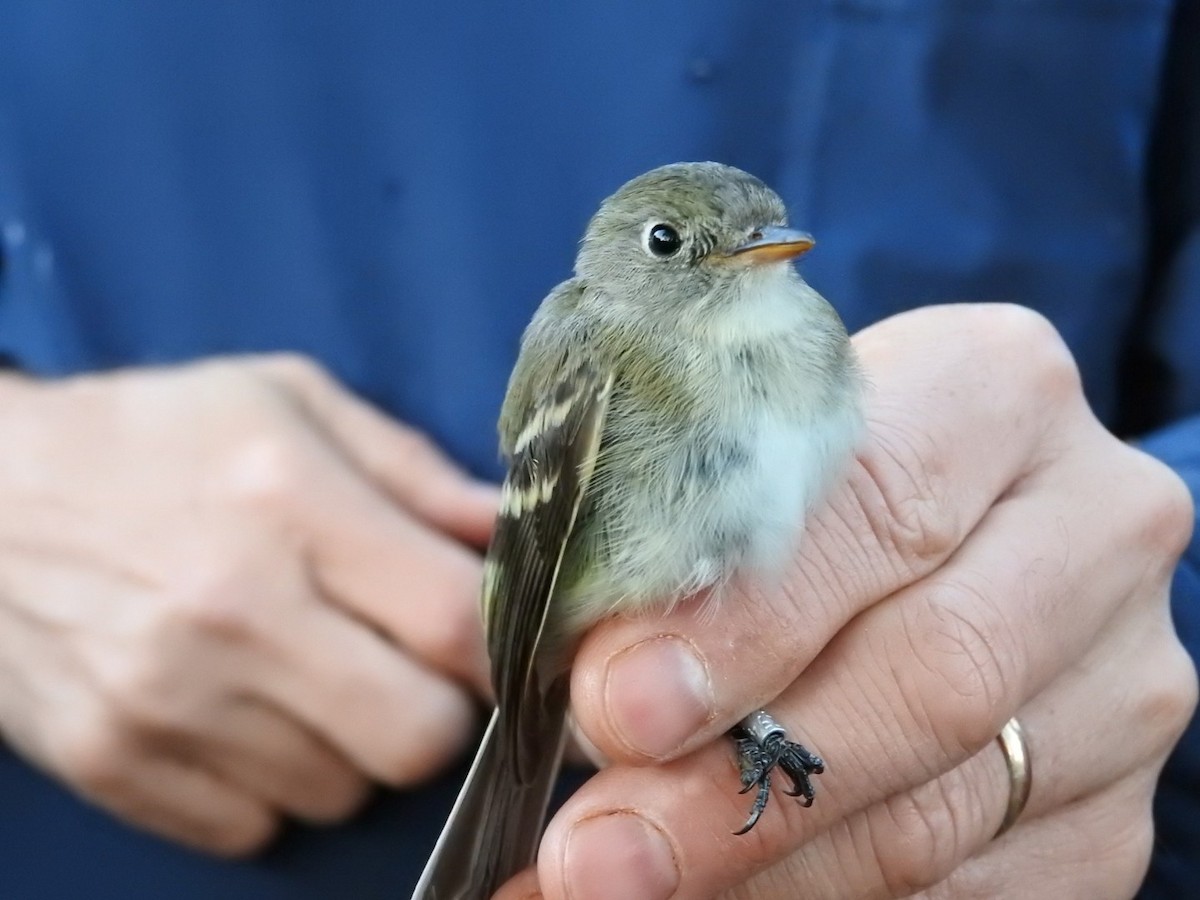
{"type": "Point", "coordinates": [401, 460]}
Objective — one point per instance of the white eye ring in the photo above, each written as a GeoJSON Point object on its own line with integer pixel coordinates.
{"type": "Point", "coordinates": [661, 239]}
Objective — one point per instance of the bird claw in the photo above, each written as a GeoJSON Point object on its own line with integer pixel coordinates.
{"type": "Point", "coordinates": [757, 760]}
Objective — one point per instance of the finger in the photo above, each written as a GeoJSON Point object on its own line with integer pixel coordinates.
{"type": "Point", "coordinates": [1095, 848]}
{"type": "Point", "coordinates": [1098, 848]}
{"type": "Point", "coordinates": [416, 586]}
{"type": "Point", "coordinates": [196, 808]}
{"type": "Point", "coordinates": [257, 629]}
{"type": "Point", "coordinates": [926, 833]}
{"type": "Point", "coordinates": [184, 803]}
{"type": "Point", "coordinates": [406, 463]}
{"type": "Point", "coordinates": [940, 451]}
{"type": "Point", "coordinates": [1139, 681]}
{"type": "Point", "coordinates": [955, 668]}
{"type": "Point", "coordinates": [392, 717]}
{"type": "Point", "coordinates": [933, 672]}
{"type": "Point", "coordinates": [1130, 700]}
{"type": "Point", "coordinates": [1139, 684]}
{"type": "Point", "coordinates": [367, 556]}
{"type": "Point", "coordinates": [268, 755]}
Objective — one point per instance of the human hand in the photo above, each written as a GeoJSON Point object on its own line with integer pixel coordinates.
{"type": "Point", "coordinates": [231, 592]}
{"type": "Point", "coordinates": [994, 552]}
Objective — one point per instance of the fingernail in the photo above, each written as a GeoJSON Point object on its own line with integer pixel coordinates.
{"type": "Point", "coordinates": [658, 694]}
{"type": "Point", "coordinates": [619, 856]}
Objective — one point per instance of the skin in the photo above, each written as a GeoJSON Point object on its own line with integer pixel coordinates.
{"type": "Point", "coordinates": [201, 566]}
{"type": "Point", "coordinates": [993, 552]}
{"type": "Point", "coordinates": [921, 611]}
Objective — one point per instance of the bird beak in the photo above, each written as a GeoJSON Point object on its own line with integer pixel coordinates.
{"type": "Point", "coordinates": [773, 243]}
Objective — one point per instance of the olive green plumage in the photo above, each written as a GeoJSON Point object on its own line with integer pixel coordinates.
{"type": "Point", "coordinates": [676, 408]}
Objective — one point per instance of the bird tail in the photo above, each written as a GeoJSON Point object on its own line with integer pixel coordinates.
{"type": "Point", "coordinates": [496, 824]}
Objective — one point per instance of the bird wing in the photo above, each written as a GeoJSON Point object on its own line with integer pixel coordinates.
{"type": "Point", "coordinates": [553, 460]}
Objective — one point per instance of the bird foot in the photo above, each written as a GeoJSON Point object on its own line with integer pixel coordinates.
{"type": "Point", "coordinates": [762, 746]}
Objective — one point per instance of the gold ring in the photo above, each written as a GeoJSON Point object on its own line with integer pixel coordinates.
{"type": "Point", "coordinates": [1020, 772]}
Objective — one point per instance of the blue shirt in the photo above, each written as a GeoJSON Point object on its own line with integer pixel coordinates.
{"type": "Point", "coordinates": [393, 188]}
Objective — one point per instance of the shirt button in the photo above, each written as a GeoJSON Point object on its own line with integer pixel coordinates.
{"type": "Point", "coordinates": [701, 69]}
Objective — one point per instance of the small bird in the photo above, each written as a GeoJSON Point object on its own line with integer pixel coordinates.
{"type": "Point", "coordinates": [676, 408]}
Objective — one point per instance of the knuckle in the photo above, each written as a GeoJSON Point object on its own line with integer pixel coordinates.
{"type": "Point", "coordinates": [296, 369]}
{"type": "Point", "coordinates": [135, 688]}
{"type": "Point", "coordinates": [1167, 514]}
{"type": "Point", "coordinates": [335, 805]}
{"type": "Point", "coordinates": [263, 472]}
{"type": "Point", "coordinates": [146, 698]}
{"type": "Point", "coordinates": [1056, 375]}
{"type": "Point", "coordinates": [249, 835]}
{"type": "Point", "coordinates": [412, 449]}
{"type": "Point", "coordinates": [899, 493]}
{"type": "Point", "coordinates": [917, 843]}
{"type": "Point", "coordinates": [417, 762]}
{"type": "Point", "coordinates": [1169, 700]}
{"type": "Point", "coordinates": [1031, 341]}
{"type": "Point", "coordinates": [958, 664]}
{"type": "Point", "coordinates": [213, 606]}
{"type": "Point", "coordinates": [434, 736]}
{"type": "Point", "coordinates": [95, 755]}
{"type": "Point", "coordinates": [224, 619]}
{"type": "Point", "coordinates": [454, 637]}
{"type": "Point", "coordinates": [237, 388]}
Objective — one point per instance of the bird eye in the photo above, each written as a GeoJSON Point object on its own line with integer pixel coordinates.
{"type": "Point", "coordinates": [662, 240]}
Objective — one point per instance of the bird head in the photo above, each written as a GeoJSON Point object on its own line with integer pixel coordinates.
{"type": "Point", "coordinates": [688, 236]}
